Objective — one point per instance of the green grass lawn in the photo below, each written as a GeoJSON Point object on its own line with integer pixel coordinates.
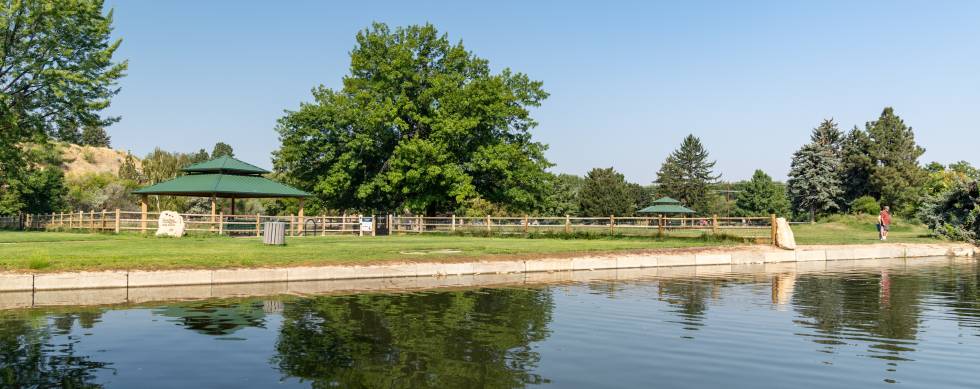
{"type": "Point", "coordinates": [59, 251]}
{"type": "Point", "coordinates": [859, 230]}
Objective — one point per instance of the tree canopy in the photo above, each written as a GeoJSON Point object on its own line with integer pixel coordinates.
{"type": "Point", "coordinates": [605, 192]}
{"type": "Point", "coordinates": [814, 183]}
{"type": "Point", "coordinates": [761, 196]}
{"type": "Point", "coordinates": [57, 75]}
{"type": "Point", "coordinates": [420, 124]}
{"type": "Point", "coordinates": [687, 175]}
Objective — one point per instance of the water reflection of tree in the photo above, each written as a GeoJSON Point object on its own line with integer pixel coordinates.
{"type": "Point", "coordinates": [218, 317]}
{"type": "Point", "coordinates": [31, 357]}
{"type": "Point", "coordinates": [690, 297]}
{"type": "Point", "coordinates": [478, 338]}
{"type": "Point", "coordinates": [883, 310]}
{"type": "Point", "coordinates": [959, 288]}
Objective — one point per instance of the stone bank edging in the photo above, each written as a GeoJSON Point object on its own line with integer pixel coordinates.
{"type": "Point", "coordinates": [11, 282]}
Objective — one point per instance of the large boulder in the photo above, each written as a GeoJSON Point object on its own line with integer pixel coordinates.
{"type": "Point", "coordinates": [784, 235]}
{"type": "Point", "coordinates": [170, 223]}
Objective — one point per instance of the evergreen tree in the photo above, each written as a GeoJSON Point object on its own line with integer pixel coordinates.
{"type": "Point", "coordinates": [896, 174]}
{"type": "Point", "coordinates": [761, 196]}
{"type": "Point", "coordinates": [828, 134]}
{"type": "Point", "coordinates": [95, 136]}
{"type": "Point", "coordinates": [857, 165]}
{"type": "Point", "coordinates": [605, 192]}
{"type": "Point", "coordinates": [563, 198]}
{"type": "Point", "coordinates": [814, 183]}
{"type": "Point", "coordinates": [222, 149]}
{"type": "Point", "coordinates": [687, 174]}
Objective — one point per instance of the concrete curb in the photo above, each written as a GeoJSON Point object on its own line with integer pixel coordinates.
{"type": "Point", "coordinates": [707, 257]}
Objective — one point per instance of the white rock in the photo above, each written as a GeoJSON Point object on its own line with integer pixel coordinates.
{"type": "Point", "coordinates": [784, 235]}
{"type": "Point", "coordinates": [170, 224]}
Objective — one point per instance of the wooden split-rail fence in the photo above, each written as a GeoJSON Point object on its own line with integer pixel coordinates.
{"type": "Point", "coordinates": [117, 221]}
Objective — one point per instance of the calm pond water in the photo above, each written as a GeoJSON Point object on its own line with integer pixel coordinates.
{"type": "Point", "coordinates": [894, 325]}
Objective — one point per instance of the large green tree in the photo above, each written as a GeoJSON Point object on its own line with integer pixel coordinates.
{"type": "Point", "coordinates": [897, 175]}
{"type": "Point", "coordinates": [222, 149]}
{"type": "Point", "coordinates": [882, 161]}
{"type": "Point", "coordinates": [420, 124]}
{"type": "Point", "coordinates": [57, 75]}
{"type": "Point", "coordinates": [814, 181]}
{"type": "Point", "coordinates": [761, 196]}
{"type": "Point", "coordinates": [687, 175]}
{"type": "Point", "coordinates": [605, 192]}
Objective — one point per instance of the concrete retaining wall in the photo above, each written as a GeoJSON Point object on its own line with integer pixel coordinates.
{"type": "Point", "coordinates": [703, 258]}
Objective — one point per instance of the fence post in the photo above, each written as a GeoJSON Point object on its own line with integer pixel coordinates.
{"type": "Point", "coordinates": [117, 220]}
{"type": "Point", "coordinates": [525, 223]}
{"type": "Point", "coordinates": [489, 231]}
{"type": "Point", "coordinates": [221, 223]}
{"type": "Point", "coordinates": [81, 220]}
{"type": "Point", "coordinates": [714, 224]}
{"type": "Point", "coordinates": [568, 224]}
{"type": "Point", "coordinates": [102, 228]}
{"type": "Point", "coordinates": [91, 216]}
{"type": "Point", "coordinates": [772, 223]}
{"type": "Point", "coordinates": [143, 214]}
{"type": "Point", "coordinates": [390, 222]}
{"type": "Point", "coordinates": [61, 222]}
{"type": "Point", "coordinates": [258, 222]}
{"type": "Point", "coordinates": [660, 224]}
{"type": "Point", "coordinates": [612, 224]}
{"type": "Point", "coordinates": [453, 228]}
{"type": "Point", "coordinates": [28, 224]}
{"type": "Point", "coordinates": [374, 225]}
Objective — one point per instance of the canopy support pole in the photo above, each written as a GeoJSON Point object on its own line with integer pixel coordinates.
{"type": "Point", "coordinates": [214, 211]}
{"type": "Point", "coordinates": [233, 206]}
{"type": "Point", "coordinates": [143, 205]}
{"type": "Point", "coordinates": [301, 220]}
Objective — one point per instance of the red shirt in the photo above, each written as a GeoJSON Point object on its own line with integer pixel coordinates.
{"type": "Point", "coordinates": [886, 218]}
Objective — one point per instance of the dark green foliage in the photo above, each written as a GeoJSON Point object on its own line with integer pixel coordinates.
{"type": "Point", "coordinates": [761, 196]}
{"type": "Point", "coordinates": [562, 199]}
{"type": "Point", "coordinates": [954, 214]}
{"type": "Point", "coordinates": [865, 205]}
{"type": "Point", "coordinates": [813, 185]}
{"type": "Point", "coordinates": [605, 192]}
{"type": "Point", "coordinates": [882, 161]}
{"type": "Point", "coordinates": [57, 76]}
{"type": "Point", "coordinates": [687, 175]}
{"type": "Point", "coordinates": [827, 134]}
{"type": "Point", "coordinates": [897, 175]}
{"type": "Point", "coordinates": [222, 149]}
{"type": "Point", "coordinates": [40, 189]}
{"type": "Point", "coordinates": [420, 124]}
{"type": "Point", "coordinates": [95, 136]}
{"type": "Point", "coordinates": [857, 165]}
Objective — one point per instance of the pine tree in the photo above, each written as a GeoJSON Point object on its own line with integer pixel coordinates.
{"type": "Point", "coordinates": [828, 134]}
{"type": "Point", "coordinates": [761, 196]}
{"type": "Point", "coordinates": [857, 165]}
{"type": "Point", "coordinates": [605, 192]}
{"type": "Point", "coordinates": [896, 173]}
{"type": "Point", "coordinates": [814, 183]}
{"type": "Point", "coordinates": [687, 174]}
{"type": "Point", "coordinates": [95, 136]}
{"type": "Point", "coordinates": [222, 149]}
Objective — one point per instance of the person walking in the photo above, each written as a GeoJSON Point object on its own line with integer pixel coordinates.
{"type": "Point", "coordinates": [884, 221]}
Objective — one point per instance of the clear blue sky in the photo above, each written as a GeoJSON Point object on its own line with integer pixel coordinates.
{"type": "Point", "coordinates": [628, 80]}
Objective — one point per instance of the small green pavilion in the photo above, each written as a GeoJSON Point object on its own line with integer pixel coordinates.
{"type": "Point", "coordinates": [222, 177]}
{"type": "Point", "coordinates": [666, 206]}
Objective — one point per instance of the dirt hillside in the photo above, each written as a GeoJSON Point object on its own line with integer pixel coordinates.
{"type": "Point", "coordinates": [81, 160]}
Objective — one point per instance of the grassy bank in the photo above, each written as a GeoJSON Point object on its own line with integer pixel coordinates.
{"type": "Point", "coordinates": [55, 251]}
{"type": "Point", "coordinates": [58, 251]}
{"type": "Point", "coordinates": [850, 229]}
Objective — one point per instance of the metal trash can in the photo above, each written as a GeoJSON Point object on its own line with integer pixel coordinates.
{"type": "Point", "coordinates": [274, 233]}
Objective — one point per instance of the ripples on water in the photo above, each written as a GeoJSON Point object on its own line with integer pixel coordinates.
{"type": "Point", "coordinates": [893, 325]}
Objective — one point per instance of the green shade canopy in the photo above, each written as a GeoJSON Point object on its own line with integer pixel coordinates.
{"type": "Point", "coordinates": [222, 177]}
{"type": "Point", "coordinates": [225, 165]}
{"type": "Point", "coordinates": [666, 200]}
{"type": "Point", "coordinates": [665, 206]}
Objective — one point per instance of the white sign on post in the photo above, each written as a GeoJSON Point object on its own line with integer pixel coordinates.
{"type": "Point", "coordinates": [367, 224]}
{"type": "Point", "coordinates": [170, 223]}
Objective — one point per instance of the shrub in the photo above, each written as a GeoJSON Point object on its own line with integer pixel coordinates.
{"type": "Point", "coordinates": [865, 205]}
{"type": "Point", "coordinates": [954, 215]}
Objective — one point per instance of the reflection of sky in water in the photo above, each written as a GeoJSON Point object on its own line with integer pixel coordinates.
{"type": "Point", "coordinates": [915, 327]}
